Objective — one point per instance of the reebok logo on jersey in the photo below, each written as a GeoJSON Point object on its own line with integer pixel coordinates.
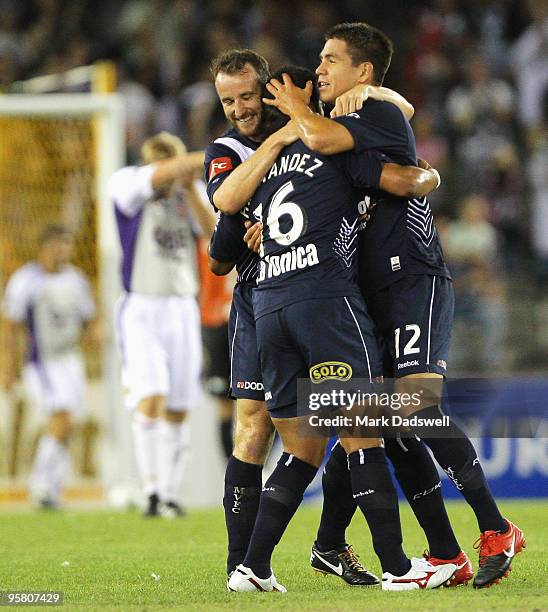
{"type": "Point", "coordinates": [219, 165]}
{"type": "Point", "coordinates": [330, 370]}
{"type": "Point", "coordinates": [296, 259]}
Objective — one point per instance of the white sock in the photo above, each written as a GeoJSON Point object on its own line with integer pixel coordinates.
{"type": "Point", "coordinates": [43, 482]}
{"type": "Point", "coordinates": [145, 438]}
{"type": "Point", "coordinates": [60, 470]}
{"type": "Point", "coordinates": [173, 456]}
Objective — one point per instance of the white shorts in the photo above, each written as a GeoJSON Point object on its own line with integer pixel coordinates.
{"type": "Point", "coordinates": [56, 384]}
{"type": "Point", "coordinates": [161, 349]}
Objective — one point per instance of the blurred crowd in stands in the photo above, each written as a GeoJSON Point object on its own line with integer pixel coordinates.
{"type": "Point", "coordinates": [476, 71]}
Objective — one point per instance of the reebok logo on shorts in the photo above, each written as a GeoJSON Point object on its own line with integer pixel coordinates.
{"type": "Point", "coordinates": [408, 364]}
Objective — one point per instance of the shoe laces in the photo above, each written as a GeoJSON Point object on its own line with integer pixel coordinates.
{"type": "Point", "coordinates": [352, 559]}
{"type": "Point", "coordinates": [486, 545]}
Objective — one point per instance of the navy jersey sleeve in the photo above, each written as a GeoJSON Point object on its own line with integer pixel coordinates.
{"type": "Point", "coordinates": [219, 162]}
{"type": "Point", "coordinates": [227, 242]}
{"type": "Point", "coordinates": [378, 125]}
{"type": "Point", "coordinates": [363, 170]}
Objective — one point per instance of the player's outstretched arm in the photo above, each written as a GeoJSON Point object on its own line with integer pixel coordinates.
{"type": "Point", "coordinates": [165, 171]}
{"type": "Point", "coordinates": [408, 181]}
{"type": "Point", "coordinates": [318, 133]}
{"type": "Point", "coordinates": [353, 100]}
{"type": "Point", "coordinates": [240, 185]}
{"type": "Point", "coordinates": [199, 205]}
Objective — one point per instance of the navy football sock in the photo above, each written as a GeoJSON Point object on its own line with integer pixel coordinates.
{"type": "Point", "coordinates": [338, 503]}
{"type": "Point", "coordinates": [457, 457]}
{"type": "Point", "coordinates": [377, 498]}
{"type": "Point", "coordinates": [420, 481]}
{"type": "Point", "coordinates": [281, 496]}
{"type": "Point", "coordinates": [243, 482]}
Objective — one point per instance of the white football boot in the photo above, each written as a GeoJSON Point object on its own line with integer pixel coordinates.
{"type": "Point", "coordinates": [243, 580]}
{"type": "Point", "coordinates": [422, 575]}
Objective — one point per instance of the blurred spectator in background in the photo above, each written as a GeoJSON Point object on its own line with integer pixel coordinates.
{"type": "Point", "coordinates": [530, 66]}
{"type": "Point", "coordinates": [480, 115]}
{"type": "Point", "coordinates": [538, 175]}
{"type": "Point", "coordinates": [504, 180]}
{"type": "Point", "coordinates": [480, 312]}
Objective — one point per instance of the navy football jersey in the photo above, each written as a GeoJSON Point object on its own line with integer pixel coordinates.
{"type": "Point", "coordinates": [227, 245]}
{"type": "Point", "coordinates": [400, 237]}
{"type": "Point", "coordinates": [309, 207]}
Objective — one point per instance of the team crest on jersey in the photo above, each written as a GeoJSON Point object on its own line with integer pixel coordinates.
{"type": "Point", "coordinates": [219, 165]}
{"type": "Point", "coordinates": [330, 370]}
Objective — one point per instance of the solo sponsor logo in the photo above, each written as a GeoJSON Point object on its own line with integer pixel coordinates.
{"type": "Point", "coordinates": [246, 384]}
{"type": "Point", "coordinates": [330, 370]}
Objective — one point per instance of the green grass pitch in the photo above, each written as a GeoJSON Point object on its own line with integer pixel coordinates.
{"type": "Point", "coordinates": [106, 560]}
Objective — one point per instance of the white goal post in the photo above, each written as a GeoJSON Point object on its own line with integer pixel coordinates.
{"type": "Point", "coordinates": [105, 112]}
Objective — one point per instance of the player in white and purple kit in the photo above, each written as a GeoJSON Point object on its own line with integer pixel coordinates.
{"type": "Point", "coordinates": [52, 301]}
{"type": "Point", "coordinates": [160, 209]}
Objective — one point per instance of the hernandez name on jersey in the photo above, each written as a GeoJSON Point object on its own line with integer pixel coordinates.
{"type": "Point", "coordinates": [308, 205]}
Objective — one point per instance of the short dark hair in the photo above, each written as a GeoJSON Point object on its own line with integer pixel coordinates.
{"type": "Point", "coordinates": [234, 61]}
{"type": "Point", "coordinates": [365, 44]}
{"type": "Point", "coordinates": [53, 232]}
{"type": "Point", "coordinates": [300, 76]}
{"type": "Point", "coordinates": [274, 119]}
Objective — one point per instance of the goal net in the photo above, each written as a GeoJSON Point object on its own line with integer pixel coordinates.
{"type": "Point", "coordinates": [56, 154]}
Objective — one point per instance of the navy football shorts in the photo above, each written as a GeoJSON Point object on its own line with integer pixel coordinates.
{"type": "Point", "coordinates": [310, 333]}
{"type": "Point", "coordinates": [413, 318]}
{"type": "Point", "coordinates": [245, 370]}
{"type": "Point", "coordinates": [216, 359]}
